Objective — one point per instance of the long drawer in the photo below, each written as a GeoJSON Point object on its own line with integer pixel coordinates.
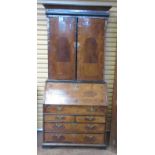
{"type": "Point", "coordinates": [74, 127]}
{"type": "Point", "coordinates": [76, 110]}
{"type": "Point", "coordinates": [74, 138]}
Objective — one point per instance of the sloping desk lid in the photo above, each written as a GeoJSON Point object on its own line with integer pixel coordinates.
{"type": "Point", "coordinates": [76, 94]}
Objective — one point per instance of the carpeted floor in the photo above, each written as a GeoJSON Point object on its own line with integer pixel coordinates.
{"type": "Point", "coordinates": [70, 151]}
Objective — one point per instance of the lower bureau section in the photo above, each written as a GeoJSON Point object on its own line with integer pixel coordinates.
{"type": "Point", "coordinates": [74, 138]}
{"type": "Point", "coordinates": [75, 114]}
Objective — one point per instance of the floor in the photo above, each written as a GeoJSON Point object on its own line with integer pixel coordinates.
{"type": "Point", "coordinates": [70, 151]}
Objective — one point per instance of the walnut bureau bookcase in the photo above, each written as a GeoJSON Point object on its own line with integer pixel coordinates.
{"type": "Point", "coordinates": [74, 110]}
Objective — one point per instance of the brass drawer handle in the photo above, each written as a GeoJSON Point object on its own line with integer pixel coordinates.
{"type": "Point", "coordinates": [90, 118]}
{"type": "Point", "coordinates": [58, 125]}
{"type": "Point", "coordinates": [59, 137]}
{"type": "Point", "coordinates": [59, 117]}
{"type": "Point", "coordinates": [90, 138]}
{"type": "Point", "coordinates": [47, 108]}
{"type": "Point", "coordinates": [59, 108]}
{"type": "Point", "coordinates": [92, 109]}
{"type": "Point", "coordinates": [76, 87]}
{"type": "Point", "coordinates": [90, 126]}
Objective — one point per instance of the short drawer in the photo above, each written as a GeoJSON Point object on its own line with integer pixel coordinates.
{"type": "Point", "coordinates": [74, 127]}
{"type": "Point", "coordinates": [76, 110]}
{"type": "Point", "coordinates": [93, 119]}
{"type": "Point", "coordinates": [58, 118]}
{"type": "Point", "coordinates": [74, 138]}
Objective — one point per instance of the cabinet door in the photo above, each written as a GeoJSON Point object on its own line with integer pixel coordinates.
{"type": "Point", "coordinates": [90, 48]}
{"type": "Point", "coordinates": [61, 52]}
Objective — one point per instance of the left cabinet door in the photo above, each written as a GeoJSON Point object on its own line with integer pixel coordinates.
{"type": "Point", "coordinates": [61, 48]}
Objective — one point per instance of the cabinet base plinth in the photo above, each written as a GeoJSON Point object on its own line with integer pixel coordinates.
{"type": "Point", "coordinates": [74, 145]}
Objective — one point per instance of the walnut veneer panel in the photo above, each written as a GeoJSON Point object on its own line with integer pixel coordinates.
{"type": "Point", "coordinates": [93, 119]}
{"type": "Point", "coordinates": [75, 110]}
{"type": "Point", "coordinates": [81, 119]}
{"type": "Point", "coordinates": [74, 127]}
{"type": "Point", "coordinates": [76, 94]}
{"type": "Point", "coordinates": [61, 52]}
{"type": "Point", "coordinates": [74, 138]}
{"type": "Point", "coordinates": [90, 49]}
{"type": "Point", "coordinates": [58, 118]}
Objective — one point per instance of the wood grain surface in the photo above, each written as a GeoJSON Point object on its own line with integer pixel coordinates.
{"type": "Point", "coordinates": [58, 118]}
{"type": "Point", "coordinates": [75, 138]}
{"type": "Point", "coordinates": [90, 119]}
{"type": "Point", "coordinates": [74, 127]}
{"type": "Point", "coordinates": [74, 110]}
{"type": "Point", "coordinates": [61, 52]}
{"type": "Point", "coordinates": [90, 48]}
{"type": "Point", "coordinates": [76, 94]}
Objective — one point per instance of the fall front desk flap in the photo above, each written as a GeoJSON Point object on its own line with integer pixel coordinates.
{"type": "Point", "coordinates": [76, 93]}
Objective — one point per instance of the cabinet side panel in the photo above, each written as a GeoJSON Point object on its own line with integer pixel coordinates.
{"type": "Point", "coordinates": [61, 54]}
{"type": "Point", "coordinates": [90, 48]}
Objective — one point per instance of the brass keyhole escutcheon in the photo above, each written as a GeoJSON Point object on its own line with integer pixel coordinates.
{"type": "Point", "coordinates": [59, 108]}
{"type": "Point", "coordinates": [91, 126]}
{"type": "Point", "coordinates": [59, 117]}
{"type": "Point", "coordinates": [58, 125]}
{"type": "Point", "coordinates": [90, 118]}
{"type": "Point", "coordinates": [92, 109]}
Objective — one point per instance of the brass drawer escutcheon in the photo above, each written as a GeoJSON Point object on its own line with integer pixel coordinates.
{"type": "Point", "coordinates": [58, 137]}
{"type": "Point", "coordinates": [92, 109]}
{"type": "Point", "coordinates": [89, 118]}
{"type": "Point", "coordinates": [89, 138]}
{"type": "Point", "coordinates": [90, 126]}
{"type": "Point", "coordinates": [59, 108]}
{"type": "Point", "coordinates": [59, 117]}
{"type": "Point", "coordinates": [58, 125]}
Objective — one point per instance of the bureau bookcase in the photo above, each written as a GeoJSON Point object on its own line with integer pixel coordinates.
{"type": "Point", "coordinates": [75, 93]}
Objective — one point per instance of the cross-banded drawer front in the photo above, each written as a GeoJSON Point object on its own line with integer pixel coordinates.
{"type": "Point", "coordinates": [74, 127]}
{"type": "Point", "coordinates": [58, 118]}
{"type": "Point", "coordinates": [76, 110]}
{"type": "Point", "coordinates": [90, 119]}
{"type": "Point", "coordinates": [74, 138]}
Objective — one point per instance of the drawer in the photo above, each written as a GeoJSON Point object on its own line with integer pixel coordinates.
{"type": "Point", "coordinates": [74, 138]}
{"type": "Point", "coordinates": [58, 118]}
{"type": "Point", "coordinates": [74, 127]}
{"type": "Point", "coordinates": [93, 119]}
{"type": "Point", "coordinates": [76, 110]}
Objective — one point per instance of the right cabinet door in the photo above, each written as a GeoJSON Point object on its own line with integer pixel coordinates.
{"type": "Point", "coordinates": [90, 51]}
